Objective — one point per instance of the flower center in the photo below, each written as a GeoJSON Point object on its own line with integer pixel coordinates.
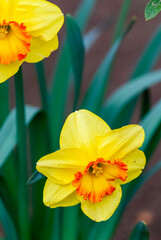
{"type": "Point", "coordinates": [97, 179]}
{"type": "Point", "coordinates": [3, 31]}
{"type": "Point", "coordinates": [97, 171]}
{"type": "Point", "coordinates": [14, 42]}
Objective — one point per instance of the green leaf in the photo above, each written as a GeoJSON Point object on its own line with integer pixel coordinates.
{"type": "Point", "coordinates": [152, 9]}
{"type": "Point", "coordinates": [35, 177]}
{"type": "Point", "coordinates": [114, 107]}
{"type": "Point", "coordinates": [93, 34]}
{"type": "Point", "coordinates": [84, 12]}
{"type": "Point", "coordinates": [61, 78]}
{"type": "Point", "coordinates": [99, 83]}
{"type": "Point", "coordinates": [76, 48]}
{"type": "Point", "coordinates": [150, 55]}
{"type": "Point", "coordinates": [146, 62]}
{"type": "Point", "coordinates": [121, 19]}
{"type": "Point", "coordinates": [7, 223]}
{"type": "Point", "coordinates": [4, 100]}
{"type": "Point", "coordinates": [152, 119]}
{"type": "Point", "coordinates": [8, 138]}
{"type": "Point", "coordinates": [6, 197]}
{"type": "Point", "coordinates": [140, 232]}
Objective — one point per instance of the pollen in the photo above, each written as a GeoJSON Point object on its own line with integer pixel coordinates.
{"type": "Point", "coordinates": [3, 31]}
{"type": "Point", "coordinates": [97, 171]}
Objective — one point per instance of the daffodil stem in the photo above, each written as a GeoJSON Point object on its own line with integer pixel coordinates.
{"type": "Point", "coordinates": [22, 157]}
{"type": "Point", "coordinates": [42, 85]}
{"type": "Point", "coordinates": [70, 223]}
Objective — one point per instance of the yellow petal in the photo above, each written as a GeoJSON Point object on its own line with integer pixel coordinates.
{"type": "Point", "coordinates": [80, 131]}
{"type": "Point", "coordinates": [120, 142]}
{"type": "Point", "coordinates": [61, 165]}
{"type": "Point", "coordinates": [59, 196]}
{"type": "Point", "coordinates": [42, 18]}
{"type": "Point", "coordinates": [7, 71]}
{"type": "Point", "coordinates": [40, 49]}
{"type": "Point", "coordinates": [103, 210]}
{"type": "Point", "coordinates": [7, 10]}
{"type": "Point", "coordinates": [135, 161]}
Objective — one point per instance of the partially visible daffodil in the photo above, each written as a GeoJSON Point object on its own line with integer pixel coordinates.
{"type": "Point", "coordinates": [92, 163]}
{"type": "Point", "coordinates": [28, 32]}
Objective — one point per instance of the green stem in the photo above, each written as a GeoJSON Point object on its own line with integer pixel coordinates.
{"type": "Point", "coordinates": [56, 234]}
{"type": "Point", "coordinates": [42, 85]}
{"type": "Point", "coordinates": [22, 157]}
{"type": "Point", "coordinates": [70, 223]}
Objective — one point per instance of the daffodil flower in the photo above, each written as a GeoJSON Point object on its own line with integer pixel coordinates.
{"type": "Point", "coordinates": [28, 32]}
{"type": "Point", "coordinates": [92, 163]}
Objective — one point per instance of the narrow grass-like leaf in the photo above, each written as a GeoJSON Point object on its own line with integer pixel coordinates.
{"type": "Point", "coordinates": [6, 197]}
{"type": "Point", "coordinates": [95, 94]}
{"type": "Point", "coordinates": [146, 62]}
{"type": "Point", "coordinates": [61, 78]}
{"type": "Point", "coordinates": [4, 100]}
{"type": "Point", "coordinates": [152, 9]}
{"type": "Point", "coordinates": [121, 19]}
{"type": "Point", "coordinates": [8, 138]}
{"type": "Point", "coordinates": [84, 12]}
{"type": "Point", "coordinates": [35, 177]}
{"type": "Point", "coordinates": [152, 119]}
{"type": "Point", "coordinates": [115, 105]}
{"type": "Point", "coordinates": [7, 223]}
{"type": "Point", "coordinates": [39, 148]}
{"type": "Point", "coordinates": [140, 232]}
{"type": "Point", "coordinates": [92, 35]}
{"type": "Point", "coordinates": [76, 47]}
{"type": "Point", "coordinates": [149, 57]}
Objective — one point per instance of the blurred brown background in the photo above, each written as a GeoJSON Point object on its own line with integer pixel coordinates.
{"type": "Point", "coordinates": [146, 204]}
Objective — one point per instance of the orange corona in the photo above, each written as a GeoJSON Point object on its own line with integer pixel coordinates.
{"type": "Point", "coordinates": [14, 42]}
{"type": "Point", "coordinates": [96, 180]}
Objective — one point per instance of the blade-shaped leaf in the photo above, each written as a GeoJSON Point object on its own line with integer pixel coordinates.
{"type": "Point", "coordinates": [76, 47]}
{"type": "Point", "coordinates": [140, 232]}
{"type": "Point", "coordinates": [152, 119]}
{"type": "Point", "coordinates": [7, 223]}
{"type": "Point", "coordinates": [99, 83]}
{"type": "Point", "coordinates": [146, 62]}
{"type": "Point", "coordinates": [35, 177]}
{"type": "Point", "coordinates": [8, 138]}
{"type": "Point", "coordinates": [114, 106]}
{"type": "Point", "coordinates": [61, 78]}
{"type": "Point", "coordinates": [121, 19]}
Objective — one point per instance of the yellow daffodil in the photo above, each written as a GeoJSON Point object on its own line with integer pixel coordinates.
{"type": "Point", "coordinates": [92, 163]}
{"type": "Point", "coordinates": [28, 32]}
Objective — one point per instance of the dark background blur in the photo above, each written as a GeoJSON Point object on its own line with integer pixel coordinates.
{"type": "Point", "coordinates": [146, 204]}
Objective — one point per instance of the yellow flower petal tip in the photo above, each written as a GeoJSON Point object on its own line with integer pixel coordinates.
{"type": "Point", "coordinates": [92, 163]}
{"type": "Point", "coordinates": [28, 32]}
